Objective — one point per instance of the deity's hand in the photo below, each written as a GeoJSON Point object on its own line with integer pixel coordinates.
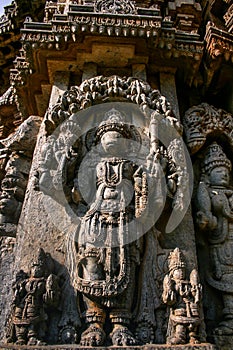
{"type": "Point", "coordinates": [52, 290]}
{"type": "Point", "coordinates": [205, 220]}
{"type": "Point", "coordinates": [155, 173]}
{"type": "Point", "coordinates": [169, 295]}
{"type": "Point", "coordinates": [184, 291]}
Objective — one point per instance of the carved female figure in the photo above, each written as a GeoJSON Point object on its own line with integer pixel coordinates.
{"type": "Point", "coordinates": [215, 217]}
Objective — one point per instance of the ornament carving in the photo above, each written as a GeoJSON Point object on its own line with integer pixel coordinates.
{"type": "Point", "coordinates": [116, 221]}
{"type": "Point", "coordinates": [115, 6]}
{"type": "Point", "coordinates": [104, 89]}
{"type": "Point", "coordinates": [201, 121]}
{"type": "Point", "coordinates": [183, 298]}
{"type": "Point", "coordinates": [105, 255]}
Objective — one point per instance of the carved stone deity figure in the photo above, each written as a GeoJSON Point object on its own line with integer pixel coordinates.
{"type": "Point", "coordinates": [215, 218]}
{"type": "Point", "coordinates": [183, 298]}
{"type": "Point", "coordinates": [109, 242]}
{"type": "Point", "coordinates": [104, 163]}
{"type": "Point", "coordinates": [32, 294]}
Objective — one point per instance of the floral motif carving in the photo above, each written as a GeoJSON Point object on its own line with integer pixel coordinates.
{"type": "Point", "coordinates": [104, 89]}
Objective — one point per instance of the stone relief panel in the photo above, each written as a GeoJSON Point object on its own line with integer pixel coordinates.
{"type": "Point", "coordinates": [203, 120]}
{"type": "Point", "coordinates": [111, 157]}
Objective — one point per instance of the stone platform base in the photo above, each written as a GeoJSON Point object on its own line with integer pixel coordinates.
{"type": "Point", "coordinates": [205, 346]}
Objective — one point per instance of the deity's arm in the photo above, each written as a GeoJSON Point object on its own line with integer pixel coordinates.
{"type": "Point", "coordinates": [84, 184]}
{"type": "Point", "coordinates": [169, 294]}
{"type": "Point", "coordinates": [52, 291]}
{"type": "Point", "coordinates": [154, 175]}
{"type": "Point", "coordinates": [196, 287]}
{"type": "Point", "coordinates": [204, 217]}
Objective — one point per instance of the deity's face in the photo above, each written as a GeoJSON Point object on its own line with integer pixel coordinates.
{"type": "Point", "coordinates": [178, 274]}
{"type": "Point", "coordinates": [219, 176]}
{"type": "Point", "coordinates": [37, 271]}
{"type": "Point", "coordinates": [113, 143]}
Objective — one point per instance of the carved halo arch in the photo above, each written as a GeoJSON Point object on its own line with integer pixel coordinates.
{"type": "Point", "coordinates": [158, 114]}
{"type": "Point", "coordinates": [102, 89]}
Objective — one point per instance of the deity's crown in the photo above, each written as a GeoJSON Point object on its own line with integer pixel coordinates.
{"type": "Point", "coordinates": [176, 260]}
{"type": "Point", "coordinates": [215, 157]}
{"type": "Point", "coordinates": [114, 121]}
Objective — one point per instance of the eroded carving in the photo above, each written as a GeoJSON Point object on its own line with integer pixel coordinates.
{"type": "Point", "coordinates": [16, 154]}
{"type": "Point", "coordinates": [183, 298]}
{"type": "Point", "coordinates": [116, 177]}
{"type": "Point", "coordinates": [215, 219]}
